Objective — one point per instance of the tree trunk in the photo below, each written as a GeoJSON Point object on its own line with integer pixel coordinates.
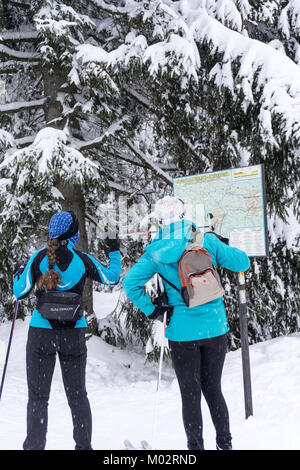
{"type": "Point", "coordinates": [73, 196]}
{"type": "Point", "coordinates": [53, 107]}
{"type": "Point", "coordinates": [74, 200]}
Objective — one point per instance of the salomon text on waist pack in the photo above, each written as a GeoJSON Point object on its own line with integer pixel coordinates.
{"type": "Point", "coordinates": [61, 306]}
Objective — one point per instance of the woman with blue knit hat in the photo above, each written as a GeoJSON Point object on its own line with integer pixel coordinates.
{"type": "Point", "coordinates": [58, 325]}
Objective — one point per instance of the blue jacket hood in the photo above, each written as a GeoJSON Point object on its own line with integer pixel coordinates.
{"type": "Point", "coordinates": [170, 241]}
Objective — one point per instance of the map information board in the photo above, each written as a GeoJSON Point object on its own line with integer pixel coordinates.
{"type": "Point", "coordinates": [235, 201]}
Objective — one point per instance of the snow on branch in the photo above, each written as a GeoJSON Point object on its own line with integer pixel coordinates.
{"type": "Point", "coordinates": [290, 18]}
{"type": "Point", "coordinates": [149, 105]}
{"type": "Point", "coordinates": [175, 48]}
{"type": "Point", "coordinates": [261, 70]}
{"type": "Point", "coordinates": [18, 36]}
{"type": "Point", "coordinates": [18, 106]}
{"type": "Point", "coordinates": [50, 156]}
{"type": "Point", "coordinates": [19, 4]}
{"type": "Point", "coordinates": [18, 55]}
{"type": "Point", "coordinates": [57, 20]}
{"type": "Point", "coordinates": [12, 66]}
{"type": "Point", "coordinates": [149, 163]}
{"type": "Point", "coordinates": [24, 141]}
{"type": "Point", "coordinates": [109, 8]}
{"type": "Point", "coordinates": [226, 12]}
{"type": "Point", "coordinates": [6, 139]}
{"type": "Point", "coordinates": [142, 159]}
{"type": "Point", "coordinates": [112, 129]}
{"type": "Point", "coordinates": [176, 55]}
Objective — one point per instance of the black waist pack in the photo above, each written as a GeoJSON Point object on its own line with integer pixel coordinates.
{"type": "Point", "coordinates": [59, 305]}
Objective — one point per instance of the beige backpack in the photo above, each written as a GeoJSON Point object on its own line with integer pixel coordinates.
{"type": "Point", "coordinates": [200, 281]}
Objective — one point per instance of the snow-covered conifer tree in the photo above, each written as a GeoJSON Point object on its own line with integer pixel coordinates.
{"type": "Point", "coordinates": [138, 92]}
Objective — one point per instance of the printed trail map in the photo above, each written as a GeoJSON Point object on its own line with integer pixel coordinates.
{"type": "Point", "coordinates": [235, 201]}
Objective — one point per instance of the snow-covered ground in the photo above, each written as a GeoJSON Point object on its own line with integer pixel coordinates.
{"type": "Point", "coordinates": [122, 393]}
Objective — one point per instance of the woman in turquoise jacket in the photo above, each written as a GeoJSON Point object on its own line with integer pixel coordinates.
{"type": "Point", "coordinates": [197, 336]}
{"type": "Point", "coordinates": [60, 270]}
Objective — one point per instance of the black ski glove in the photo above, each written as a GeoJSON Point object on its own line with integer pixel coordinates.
{"type": "Point", "coordinates": [113, 244]}
{"type": "Point", "coordinates": [223, 239]}
{"type": "Point", "coordinates": [160, 309]}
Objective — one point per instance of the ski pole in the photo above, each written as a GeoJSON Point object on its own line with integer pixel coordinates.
{"type": "Point", "coordinates": [162, 294]}
{"type": "Point", "coordinates": [9, 344]}
{"type": "Point", "coordinates": [133, 234]}
{"type": "Point", "coordinates": [158, 380]}
{"type": "Point", "coordinates": [161, 351]}
{"type": "Point", "coordinates": [159, 289]}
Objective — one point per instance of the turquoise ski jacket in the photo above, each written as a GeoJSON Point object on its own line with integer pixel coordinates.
{"type": "Point", "coordinates": [74, 268]}
{"type": "Point", "coordinates": [162, 256]}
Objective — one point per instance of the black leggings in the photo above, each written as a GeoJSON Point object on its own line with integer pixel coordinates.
{"type": "Point", "coordinates": [42, 346]}
{"type": "Point", "coordinates": [198, 366]}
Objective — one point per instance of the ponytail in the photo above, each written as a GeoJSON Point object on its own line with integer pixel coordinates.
{"type": "Point", "coordinates": [50, 279]}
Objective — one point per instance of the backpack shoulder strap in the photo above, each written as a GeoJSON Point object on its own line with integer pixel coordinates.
{"type": "Point", "coordinates": [197, 241]}
{"type": "Point", "coordinates": [168, 282]}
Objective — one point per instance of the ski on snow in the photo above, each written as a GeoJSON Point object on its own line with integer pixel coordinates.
{"type": "Point", "coordinates": [144, 445]}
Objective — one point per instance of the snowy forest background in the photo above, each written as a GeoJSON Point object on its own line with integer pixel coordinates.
{"type": "Point", "coordinates": [101, 99]}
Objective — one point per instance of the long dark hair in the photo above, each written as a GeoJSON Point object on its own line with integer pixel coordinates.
{"type": "Point", "coordinates": [50, 279]}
